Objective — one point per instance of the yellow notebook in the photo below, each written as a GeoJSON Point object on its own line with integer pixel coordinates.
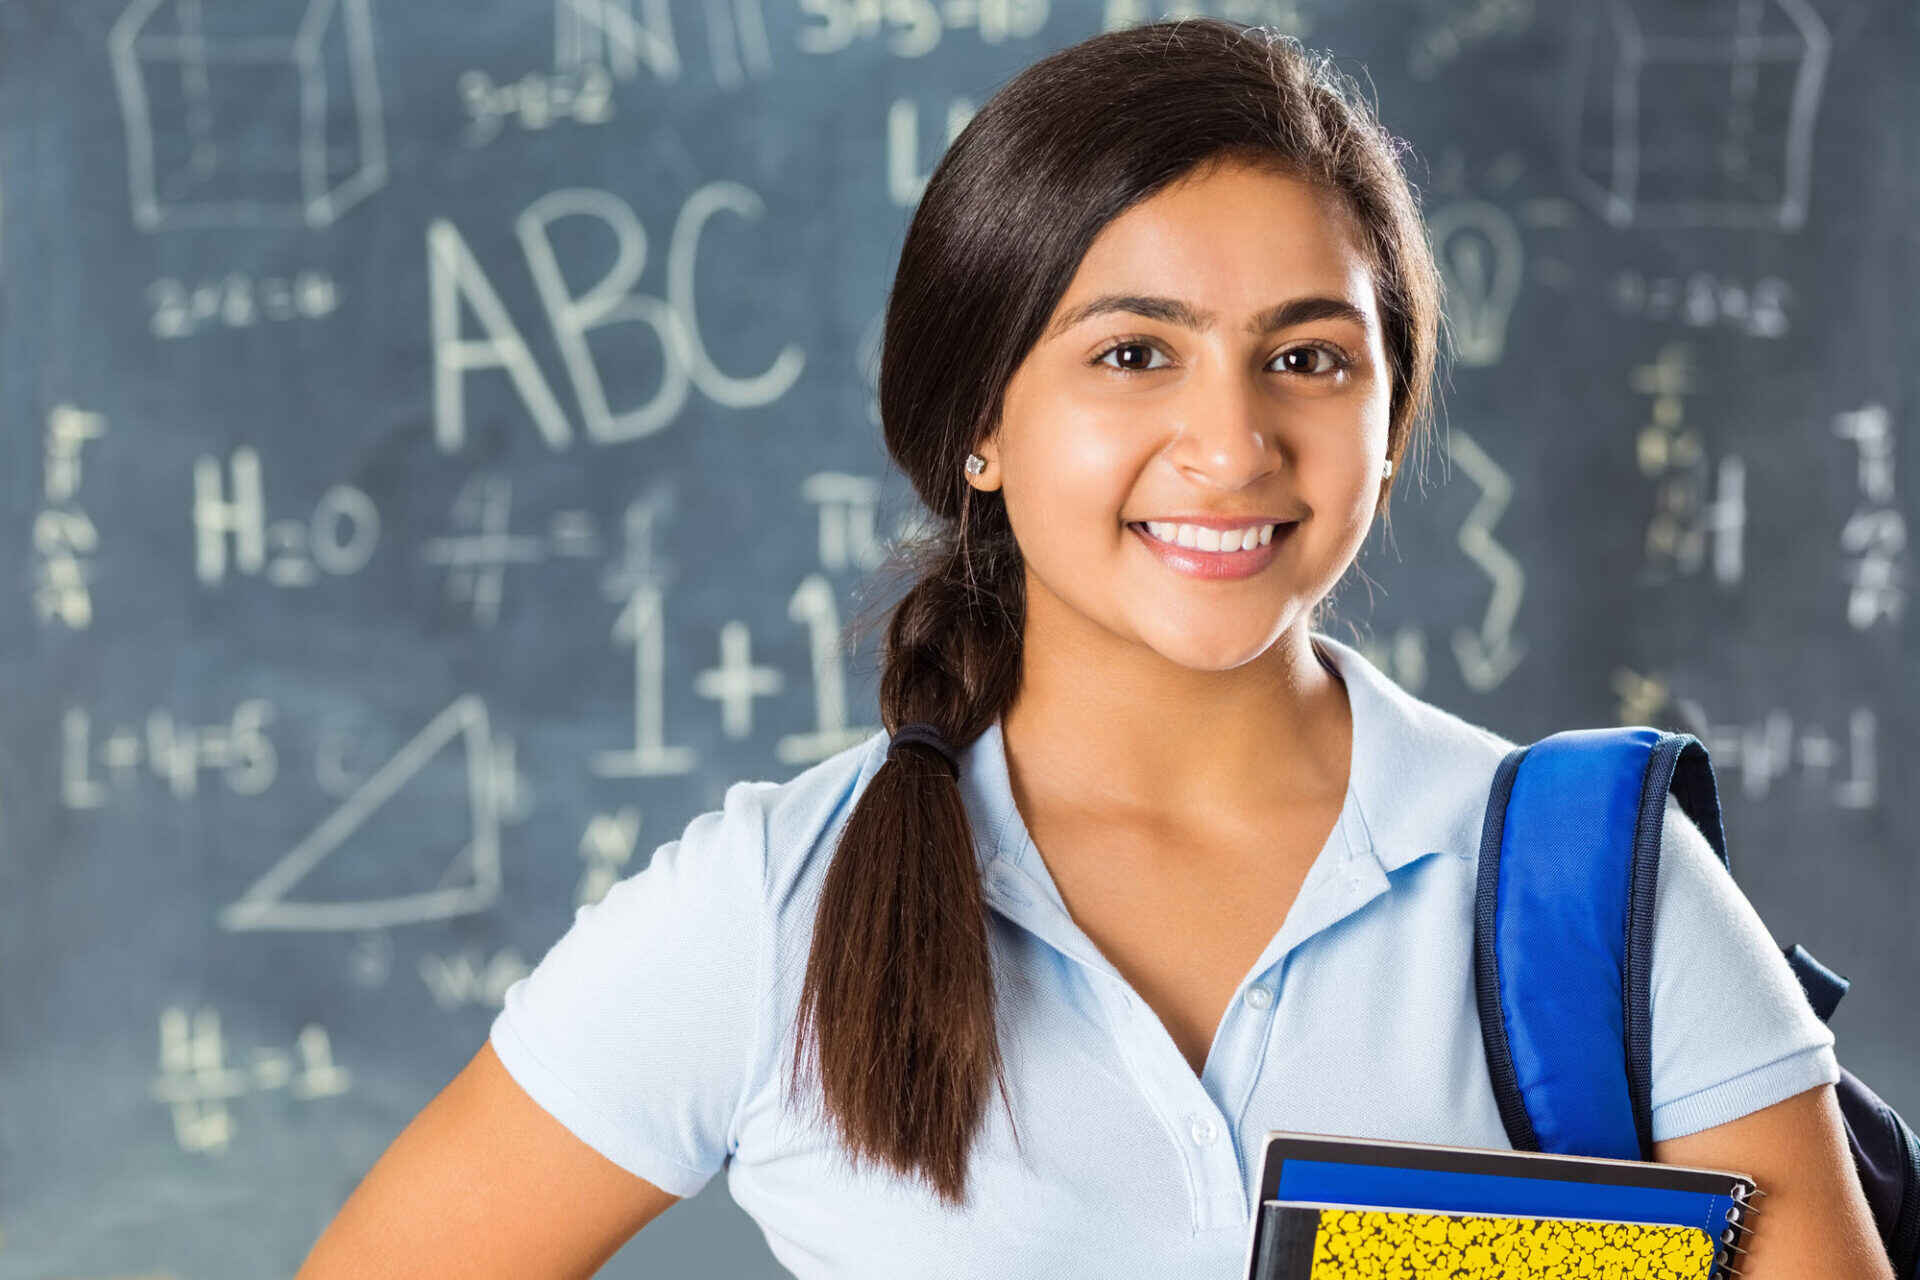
{"type": "Point", "coordinates": [1329, 1242]}
{"type": "Point", "coordinates": [1340, 1208]}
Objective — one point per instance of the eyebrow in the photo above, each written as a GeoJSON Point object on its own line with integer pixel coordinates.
{"type": "Point", "coordinates": [1178, 311]}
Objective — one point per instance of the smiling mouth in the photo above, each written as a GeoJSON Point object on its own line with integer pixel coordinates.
{"type": "Point", "coordinates": [1165, 535]}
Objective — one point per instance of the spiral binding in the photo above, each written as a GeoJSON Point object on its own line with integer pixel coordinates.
{"type": "Point", "coordinates": [1746, 1208]}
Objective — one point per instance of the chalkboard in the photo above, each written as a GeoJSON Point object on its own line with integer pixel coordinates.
{"type": "Point", "coordinates": [441, 455]}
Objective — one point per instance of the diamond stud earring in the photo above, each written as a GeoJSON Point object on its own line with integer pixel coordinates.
{"type": "Point", "coordinates": [1386, 468]}
{"type": "Point", "coordinates": [975, 464]}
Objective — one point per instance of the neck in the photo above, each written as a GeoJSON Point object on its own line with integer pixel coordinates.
{"type": "Point", "coordinates": [1113, 726]}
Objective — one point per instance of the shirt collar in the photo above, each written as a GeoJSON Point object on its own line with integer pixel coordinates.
{"type": "Point", "coordinates": [1419, 774]}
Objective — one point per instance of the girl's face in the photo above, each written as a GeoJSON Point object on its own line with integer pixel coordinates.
{"type": "Point", "coordinates": [1216, 358]}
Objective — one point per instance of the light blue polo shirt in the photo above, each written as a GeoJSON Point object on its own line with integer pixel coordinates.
{"type": "Point", "coordinates": [659, 1027]}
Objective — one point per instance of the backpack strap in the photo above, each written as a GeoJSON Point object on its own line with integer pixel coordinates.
{"type": "Point", "coordinates": [1563, 930]}
{"type": "Point", "coordinates": [1563, 944]}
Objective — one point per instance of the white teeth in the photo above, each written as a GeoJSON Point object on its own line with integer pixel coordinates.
{"type": "Point", "coordinates": [1202, 538]}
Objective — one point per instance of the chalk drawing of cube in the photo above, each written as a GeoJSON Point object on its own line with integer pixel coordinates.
{"type": "Point", "coordinates": [248, 112]}
{"type": "Point", "coordinates": [1695, 112]}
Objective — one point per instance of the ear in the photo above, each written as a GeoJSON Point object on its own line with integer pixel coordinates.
{"type": "Point", "coordinates": [989, 477]}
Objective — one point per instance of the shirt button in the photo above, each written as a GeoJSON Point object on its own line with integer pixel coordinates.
{"type": "Point", "coordinates": [1204, 1131]}
{"type": "Point", "coordinates": [1259, 997]}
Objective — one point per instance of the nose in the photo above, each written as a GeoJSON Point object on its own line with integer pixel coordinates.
{"type": "Point", "coordinates": [1227, 433]}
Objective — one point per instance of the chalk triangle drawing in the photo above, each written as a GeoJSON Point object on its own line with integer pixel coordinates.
{"type": "Point", "coordinates": [471, 881]}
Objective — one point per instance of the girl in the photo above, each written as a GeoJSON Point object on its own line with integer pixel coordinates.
{"type": "Point", "coordinates": [1145, 864]}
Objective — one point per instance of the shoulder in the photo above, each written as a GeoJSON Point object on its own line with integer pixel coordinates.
{"type": "Point", "coordinates": [779, 839]}
{"type": "Point", "coordinates": [727, 871]}
{"type": "Point", "coordinates": [1732, 1029]}
{"type": "Point", "coordinates": [801, 817]}
{"type": "Point", "coordinates": [1457, 763]}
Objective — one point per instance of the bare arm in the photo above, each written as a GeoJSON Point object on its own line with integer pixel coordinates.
{"type": "Point", "coordinates": [484, 1183]}
{"type": "Point", "coordinates": [1814, 1222]}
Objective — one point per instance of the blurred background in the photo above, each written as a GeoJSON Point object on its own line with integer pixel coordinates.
{"type": "Point", "coordinates": [441, 455]}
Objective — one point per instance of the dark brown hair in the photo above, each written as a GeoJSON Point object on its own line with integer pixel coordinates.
{"type": "Point", "coordinates": [897, 1006]}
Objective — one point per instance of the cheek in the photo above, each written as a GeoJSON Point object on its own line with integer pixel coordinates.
{"type": "Point", "coordinates": [1342, 485]}
{"type": "Point", "coordinates": [1350, 442]}
{"type": "Point", "coordinates": [1339, 468]}
{"type": "Point", "coordinates": [1067, 473]}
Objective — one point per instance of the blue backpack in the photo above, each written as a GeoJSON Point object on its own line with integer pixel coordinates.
{"type": "Point", "coordinates": [1562, 950]}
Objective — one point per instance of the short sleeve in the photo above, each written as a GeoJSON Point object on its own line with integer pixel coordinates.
{"type": "Point", "coordinates": [1732, 1030]}
{"type": "Point", "coordinates": [638, 1028]}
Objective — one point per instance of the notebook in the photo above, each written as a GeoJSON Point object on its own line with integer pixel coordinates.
{"type": "Point", "coordinates": [1336, 1208]}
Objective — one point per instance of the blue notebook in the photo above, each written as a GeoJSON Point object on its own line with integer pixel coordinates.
{"type": "Point", "coordinates": [1446, 1211]}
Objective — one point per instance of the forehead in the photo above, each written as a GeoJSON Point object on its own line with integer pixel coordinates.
{"type": "Point", "coordinates": [1237, 234]}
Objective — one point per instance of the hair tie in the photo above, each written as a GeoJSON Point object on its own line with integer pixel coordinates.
{"type": "Point", "coordinates": [927, 735]}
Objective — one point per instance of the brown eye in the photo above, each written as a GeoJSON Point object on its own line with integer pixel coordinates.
{"type": "Point", "coordinates": [1128, 366]}
{"type": "Point", "coordinates": [1304, 358]}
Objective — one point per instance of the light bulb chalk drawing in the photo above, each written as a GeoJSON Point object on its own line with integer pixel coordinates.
{"type": "Point", "coordinates": [1635, 151]}
{"type": "Point", "coordinates": [1481, 258]}
{"type": "Point", "coordinates": [235, 128]}
{"type": "Point", "coordinates": [1489, 654]}
{"type": "Point", "coordinates": [470, 882]}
